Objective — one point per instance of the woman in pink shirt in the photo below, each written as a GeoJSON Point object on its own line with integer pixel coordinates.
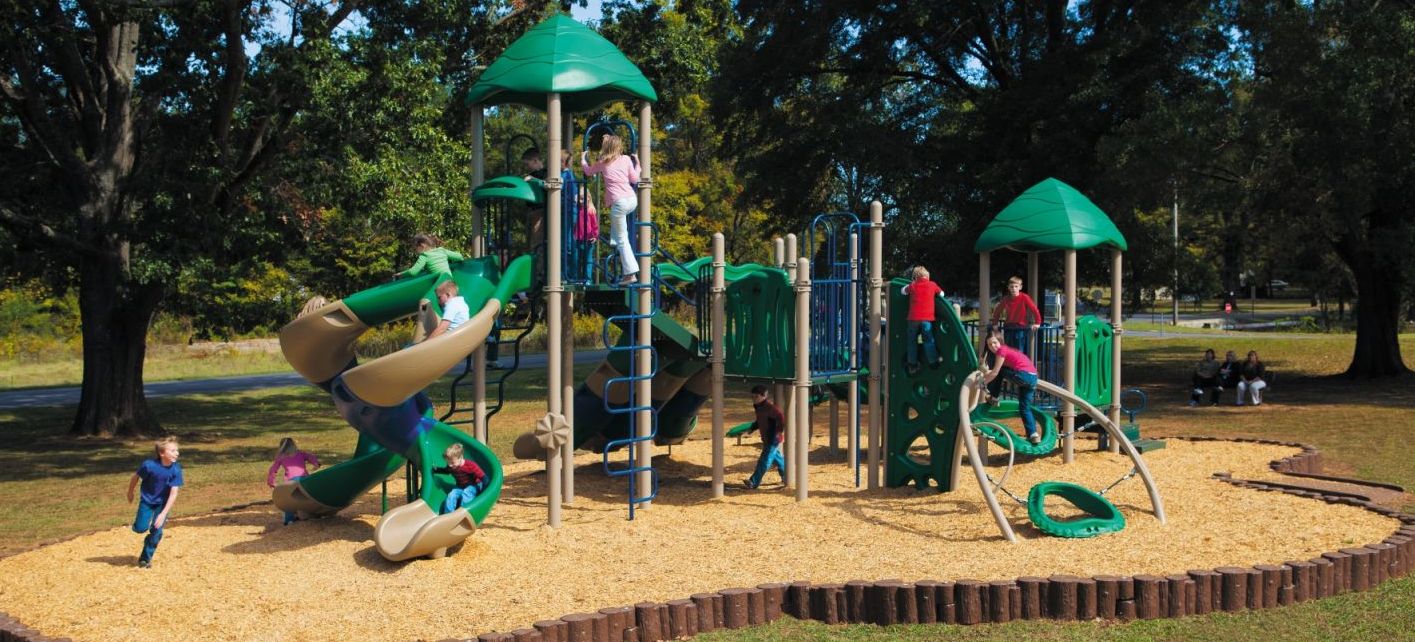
{"type": "Point", "coordinates": [1015, 365]}
{"type": "Point", "coordinates": [620, 173]}
{"type": "Point", "coordinates": [297, 463]}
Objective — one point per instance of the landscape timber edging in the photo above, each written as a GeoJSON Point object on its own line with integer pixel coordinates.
{"type": "Point", "coordinates": [1058, 597]}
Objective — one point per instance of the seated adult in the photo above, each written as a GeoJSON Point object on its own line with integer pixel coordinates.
{"type": "Point", "coordinates": [1251, 379]}
{"type": "Point", "coordinates": [1206, 378]}
{"type": "Point", "coordinates": [1229, 373]}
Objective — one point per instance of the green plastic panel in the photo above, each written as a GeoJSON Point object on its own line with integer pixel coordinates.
{"type": "Point", "coordinates": [692, 269]}
{"type": "Point", "coordinates": [1094, 341]}
{"type": "Point", "coordinates": [761, 331]}
{"type": "Point", "coordinates": [476, 279]}
{"type": "Point", "coordinates": [564, 56]}
{"type": "Point", "coordinates": [923, 406]}
{"type": "Point", "coordinates": [1102, 516]}
{"type": "Point", "coordinates": [1050, 215]}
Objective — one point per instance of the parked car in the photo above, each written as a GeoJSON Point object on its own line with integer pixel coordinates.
{"type": "Point", "coordinates": [1277, 285]}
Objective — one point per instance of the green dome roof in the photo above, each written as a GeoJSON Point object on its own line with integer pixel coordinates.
{"type": "Point", "coordinates": [1050, 215]}
{"type": "Point", "coordinates": [561, 55]}
{"type": "Point", "coordinates": [511, 188]}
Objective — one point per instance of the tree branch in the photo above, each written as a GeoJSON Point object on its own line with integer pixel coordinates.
{"type": "Point", "coordinates": [56, 145]}
{"type": "Point", "coordinates": [35, 228]}
{"type": "Point", "coordinates": [235, 76]}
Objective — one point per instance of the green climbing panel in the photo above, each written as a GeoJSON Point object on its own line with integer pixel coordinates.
{"type": "Point", "coordinates": [1094, 340]}
{"type": "Point", "coordinates": [761, 332]}
{"type": "Point", "coordinates": [923, 405]}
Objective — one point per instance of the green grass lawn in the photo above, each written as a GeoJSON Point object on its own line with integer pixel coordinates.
{"type": "Point", "coordinates": [54, 486]}
{"type": "Point", "coordinates": [164, 363]}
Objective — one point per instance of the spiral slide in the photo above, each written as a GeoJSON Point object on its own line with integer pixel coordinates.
{"type": "Point", "coordinates": [383, 400]}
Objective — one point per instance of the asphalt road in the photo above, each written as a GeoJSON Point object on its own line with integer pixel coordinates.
{"type": "Point", "coordinates": [69, 396]}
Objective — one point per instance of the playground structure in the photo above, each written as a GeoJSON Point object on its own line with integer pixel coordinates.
{"type": "Point", "coordinates": [801, 325]}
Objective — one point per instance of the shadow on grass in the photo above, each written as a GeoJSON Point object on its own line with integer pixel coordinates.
{"type": "Point", "coordinates": [115, 560]}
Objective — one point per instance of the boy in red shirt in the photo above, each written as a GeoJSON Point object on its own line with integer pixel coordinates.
{"type": "Point", "coordinates": [772, 425]}
{"type": "Point", "coordinates": [921, 318]}
{"type": "Point", "coordinates": [468, 475]}
{"type": "Point", "coordinates": [1015, 312]}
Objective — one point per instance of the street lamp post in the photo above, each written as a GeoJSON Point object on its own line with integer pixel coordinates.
{"type": "Point", "coordinates": [1174, 293]}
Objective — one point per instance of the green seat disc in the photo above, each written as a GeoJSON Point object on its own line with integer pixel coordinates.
{"type": "Point", "coordinates": [1103, 516]}
{"type": "Point", "coordinates": [985, 420]}
{"type": "Point", "coordinates": [740, 429]}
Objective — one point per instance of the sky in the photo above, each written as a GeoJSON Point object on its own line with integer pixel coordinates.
{"type": "Point", "coordinates": [589, 13]}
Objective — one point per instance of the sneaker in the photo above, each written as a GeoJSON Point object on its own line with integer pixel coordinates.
{"type": "Point", "coordinates": [629, 279]}
{"type": "Point", "coordinates": [144, 564]}
{"type": "Point", "coordinates": [911, 368]}
{"type": "Point", "coordinates": [1034, 438]}
{"type": "Point", "coordinates": [747, 483]}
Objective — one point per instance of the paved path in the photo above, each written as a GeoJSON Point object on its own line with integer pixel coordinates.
{"type": "Point", "coordinates": [69, 396]}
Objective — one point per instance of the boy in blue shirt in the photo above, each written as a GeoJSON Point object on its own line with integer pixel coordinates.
{"type": "Point", "coordinates": [161, 478]}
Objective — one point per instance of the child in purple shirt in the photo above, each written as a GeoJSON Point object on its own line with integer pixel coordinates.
{"type": "Point", "coordinates": [1015, 365]}
{"type": "Point", "coordinates": [297, 463]}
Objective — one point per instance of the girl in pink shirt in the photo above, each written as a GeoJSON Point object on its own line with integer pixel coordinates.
{"type": "Point", "coordinates": [1016, 366]}
{"type": "Point", "coordinates": [297, 463]}
{"type": "Point", "coordinates": [620, 173]}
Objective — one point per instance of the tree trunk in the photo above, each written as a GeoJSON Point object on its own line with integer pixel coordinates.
{"type": "Point", "coordinates": [116, 314]}
{"type": "Point", "coordinates": [1377, 320]}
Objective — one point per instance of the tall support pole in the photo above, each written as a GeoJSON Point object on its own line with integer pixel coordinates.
{"type": "Point", "coordinates": [563, 139]}
{"type": "Point", "coordinates": [984, 297]}
{"type": "Point", "coordinates": [479, 429]}
{"type": "Point", "coordinates": [718, 360]}
{"type": "Point", "coordinates": [1034, 286]}
{"type": "Point", "coordinates": [644, 360]}
{"type": "Point", "coordinates": [554, 467]}
{"type": "Point", "coordinates": [852, 394]}
{"type": "Point", "coordinates": [1174, 294]}
{"type": "Point", "coordinates": [876, 344]}
{"type": "Point", "coordinates": [803, 379]}
{"type": "Point", "coordinates": [1116, 321]}
{"type": "Point", "coordinates": [793, 418]}
{"type": "Point", "coordinates": [1068, 409]}
{"type": "Point", "coordinates": [779, 393]}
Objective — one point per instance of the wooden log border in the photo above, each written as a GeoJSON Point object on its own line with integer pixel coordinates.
{"type": "Point", "coordinates": [971, 601]}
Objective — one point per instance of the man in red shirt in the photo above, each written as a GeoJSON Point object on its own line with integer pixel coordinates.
{"type": "Point", "coordinates": [921, 318]}
{"type": "Point", "coordinates": [1018, 315]}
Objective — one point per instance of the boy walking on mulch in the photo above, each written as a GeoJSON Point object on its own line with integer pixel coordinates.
{"type": "Point", "coordinates": [773, 430]}
{"type": "Point", "coordinates": [161, 478]}
{"type": "Point", "coordinates": [468, 476]}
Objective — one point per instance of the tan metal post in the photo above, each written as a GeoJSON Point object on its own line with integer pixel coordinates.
{"type": "Point", "coordinates": [1068, 409]}
{"type": "Point", "coordinates": [554, 467]}
{"type": "Point", "coordinates": [718, 359]}
{"type": "Point", "coordinates": [1034, 288]}
{"type": "Point", "coordinates": [803, 378]}
{"type": "Point", "coordinates": [834, 425]}
{"type": "Point", "coordinates": [984, 298]}
{"type": "Point", "coordinates": [852, 394]}
{"type": "Point", "coordinates": [644, 361]}
{"type": "Point", "coordinates": [1117, 319]}
{"type": "Point", "coordinates": [479, 428]}
{"type": "Point", "coordinates": [567, 365]}
{"type": "Point", "coordinates": [876, 344]}
{"type": "Point", "coordinates": [792, 416]}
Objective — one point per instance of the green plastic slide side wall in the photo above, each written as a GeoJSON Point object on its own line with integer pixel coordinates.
{"type": "Point", "coordinates": [476, 279]}
{"type": "Point", "coordinates": [761, 329]}
{"type": "Point", "coordinates": [924, 405]}
{"type": "Point", "coordinates": [1094, 342]}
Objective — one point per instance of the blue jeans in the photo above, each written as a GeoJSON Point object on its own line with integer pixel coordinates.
{"type": "Point", "coordinates": [458, 498]}
{"type": "Point", "coordinates": [1017, 338]}
{"type": "Point", "coordinates": [1026, 388]}
{"type": "Point", "coordinates": [145, 522]}
{"type": "Point", "coordinates": [771, 456]}
{"type": "Point", "coordinates": [925, 328]}
{"type": "Point", "coordinates": [290, 515]}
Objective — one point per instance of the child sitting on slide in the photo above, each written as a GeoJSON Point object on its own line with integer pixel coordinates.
{"type": "Point", "coordinates": [469, 478]}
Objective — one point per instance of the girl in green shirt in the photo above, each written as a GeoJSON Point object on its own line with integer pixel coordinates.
{"type": "Point", "coordinates": [432, 257]}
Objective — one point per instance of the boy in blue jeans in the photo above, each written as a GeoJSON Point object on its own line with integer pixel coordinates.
{"type": "Point", "coordinates": [468, 476]}
{"type": "Point", "coordinates": [161, 478]}
{"type": "Point", "coordinates": [772, 425]}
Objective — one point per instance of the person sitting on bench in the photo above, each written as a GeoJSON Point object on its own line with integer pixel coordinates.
{"type": "Point", "coordinates": [1206, 378]}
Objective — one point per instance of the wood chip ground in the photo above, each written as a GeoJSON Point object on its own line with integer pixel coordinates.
{"type": "Point", "coordinates": [242, 576]}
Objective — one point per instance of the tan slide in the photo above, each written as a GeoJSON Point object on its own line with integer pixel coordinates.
{"type": "Point", "coordinates": [415, 530]}
{"type": "Point", "coordinates": [390, 379]}
{"type": "Point", "coordinates": [291, 498]}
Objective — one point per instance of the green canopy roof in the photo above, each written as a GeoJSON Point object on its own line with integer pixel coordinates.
{"type": "Point", "coordinates": [561, 55]}
{"type": "Point", "coordinates": [1050, 215]}
{"type": "Point", "coordinates": [512, 188]}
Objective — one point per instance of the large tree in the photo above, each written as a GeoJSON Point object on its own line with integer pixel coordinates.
{"type": "Point", "coordinates": [1333, 138]}
{"type": "Point", "coordinates": [143, 122]}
